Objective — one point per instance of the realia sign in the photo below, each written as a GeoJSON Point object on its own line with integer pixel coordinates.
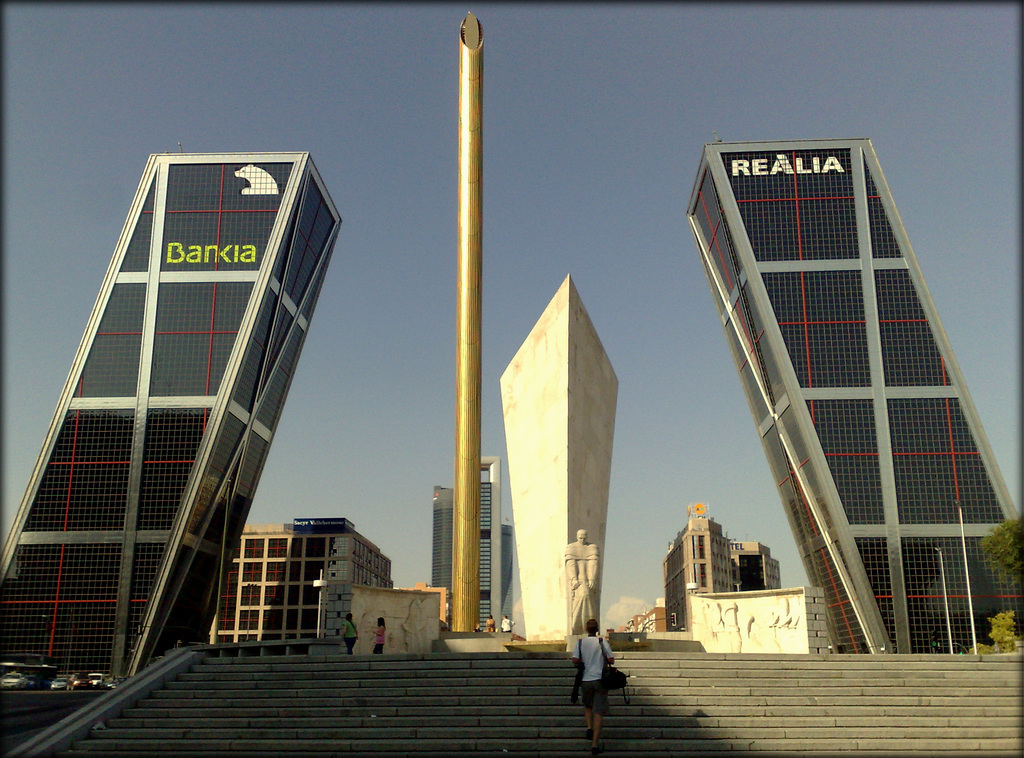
{"type": "Point", "coordinates": [760, 167]}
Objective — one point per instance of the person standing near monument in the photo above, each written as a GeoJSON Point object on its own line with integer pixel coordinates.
{"type": "Point", "coordinates": [581, 572]}
{"type": "Point", "coordinates": [506, 623]}
{"type": "Point", "coordinates": [592, 652]}
{"type": "Point", "coordinates": [348, 631]}
{"type": "Point", "coordinates": [378, 639]}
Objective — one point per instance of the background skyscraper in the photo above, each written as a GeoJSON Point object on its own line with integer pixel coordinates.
{"type": "Point", "coordinates": [152, 459]}
{"type": "Point", "coordinates": [508, 546]}
{"type": "Point", "coordinates": [864, 415]}
{"type": "Point", "coordinates": [494, 594]}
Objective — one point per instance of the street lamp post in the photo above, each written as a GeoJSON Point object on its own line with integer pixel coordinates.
{"type": "Point", "coordinates": [967, 576]}
{"type": "Point", "coordinates": [319, 584]}
{"type": "Point", "coordinates": [945, 600]}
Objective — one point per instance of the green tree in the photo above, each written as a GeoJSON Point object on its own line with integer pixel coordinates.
{"type": "Point", "coordinates": [1004, 631]}
{"type": "Point", "coordinates": [1004, 549]}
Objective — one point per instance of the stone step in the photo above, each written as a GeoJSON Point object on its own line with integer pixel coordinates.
{"type": "Point", "coordinates": [680, 705]}
{"type": "Point", "coordinates": [429, 678]}
{"type": "Point", "coordinates": [539, 745]}
{"type": "Point", "coordinates": [939, 715]}
{"type": "Point", "coordinates": [999, 726]}
{"type": "Point", "coordinates": [511, 731]}
{"type": "Point", "coordinates": [201, 700]}
{"type": "Point", "coordinates": [338, 695]}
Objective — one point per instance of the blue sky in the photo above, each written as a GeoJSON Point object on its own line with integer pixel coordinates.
{"type": "Point", "coordinates": [594, 121]}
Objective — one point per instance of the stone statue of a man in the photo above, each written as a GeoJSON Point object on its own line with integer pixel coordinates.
{"type": "Point", "coordinates": [581, 572]}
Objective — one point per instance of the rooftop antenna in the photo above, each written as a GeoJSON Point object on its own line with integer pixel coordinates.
{"type": "Point", "coordinates": [717, 138]}
{"type": "Point", "coordinates": [179, 148]}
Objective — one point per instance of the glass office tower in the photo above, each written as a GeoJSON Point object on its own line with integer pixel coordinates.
{"type": "Point", "coordinates": [492, 551]}
{"type": "Point", "coordinates": [149, 467]}
{"type": "Point", "coordinates": [870, 434]}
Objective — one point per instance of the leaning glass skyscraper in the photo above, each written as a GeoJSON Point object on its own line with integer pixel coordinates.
{"type": "Point", "coordinates": [149, 467]}
{"type": "Point", "coordinates": [872, 439]}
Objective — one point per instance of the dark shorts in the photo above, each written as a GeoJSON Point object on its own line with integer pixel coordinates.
{"type": "Point", "coordinates": [595, 696]}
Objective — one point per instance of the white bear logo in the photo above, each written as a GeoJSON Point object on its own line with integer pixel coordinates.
{"type": "Point", "coordinates": [260, 182]}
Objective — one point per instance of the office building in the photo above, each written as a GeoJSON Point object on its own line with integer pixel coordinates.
{"type": "Point", "coordinates": [492, 593]}
{"type": "Point", "coordinates": [753, 567]}
{"type": "Point", "coordinates": [652, 620]}
{"type": "Point", "coordinates": [697, 561]}
{"type": "Point", "coordinates": [152, 459]}
{"type": "Point", "coordinates": [870, 434]}
{"type": "Point", "coordinates": [508, 546]}
{"type": "Point", "coordinates": [272, 590]}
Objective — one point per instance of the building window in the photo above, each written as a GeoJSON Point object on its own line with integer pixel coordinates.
{"type": "Point", "coordinates": [250, 594]}
{"type": "Point", "coordinates": [277, 547]}
{"type": "Point", "coordinates": [273, 594]}
{"type": "Point", "coordinates": [253, 549]}
{"type": "Point", "coordinates": [273, 618]}
{"type": "Point", "coordinates": [252, 572]}
{"type": "Point", "coordinates": [275, 571]}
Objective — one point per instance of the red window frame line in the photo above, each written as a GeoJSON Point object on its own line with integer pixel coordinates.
{"type": "Point", "coordinates": [803, 302]}
{"type": "Point", "coordinates": [840, 604]}
{"type": "Point", "coordinates": [201, 331]}
{"type": "Point", "coordinates": [68, 601]}
{"type": "Point", "coordinates": [799, 488]}
{"type": "Point", "coordinates": [90, 463]}
{"type": "Point", "coordinates": [752, 342]}
{"type": "Point", "coordinates": [942, 359]}
{"type": "Point", "coordinates": [820, 323]}
{"type": "Point", "coordinates": [51, 623]}
{"type": "Point", "coordinates": [962, 596]}
{"type": "Point", "coordinates": [952, 452]}
{"type": "Point", "coordinates": [714, 228]}
{"type": "Point", "coordinates": [222, 210]}
{"type": "Point", "coordinates": [795, 199]}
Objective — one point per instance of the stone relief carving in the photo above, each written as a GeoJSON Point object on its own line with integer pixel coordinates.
{"type": "Point", "coordinates": [581, 572]}
{"type": "Point", "coordinates": [753, 625]}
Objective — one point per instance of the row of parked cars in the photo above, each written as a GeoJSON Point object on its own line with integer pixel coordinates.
{"type": "Point", "coordinates": [18, 681]}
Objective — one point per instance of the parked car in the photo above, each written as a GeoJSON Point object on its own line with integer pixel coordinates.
{"type": "Point", "coordinates": [99, 681]}
{"type": "Point", "coordinates": [36, 682]}
{"type": "Point", "coordinates": [80, 682]}
{"type": "Point", "coordinates": [60, 683]}
{"type": "Point", "coordinates": [14, 681]}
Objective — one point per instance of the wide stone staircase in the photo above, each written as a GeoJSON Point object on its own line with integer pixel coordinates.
{"type": "Point", "coordinates": [517, 703]}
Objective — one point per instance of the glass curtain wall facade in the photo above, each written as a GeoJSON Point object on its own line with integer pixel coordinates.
{"type": "Point", "coordinates": [870, 434]}
{"type": "Point", "coordinates": [149, 467]}
{"type": "Point", "coordinates": [492, 599]}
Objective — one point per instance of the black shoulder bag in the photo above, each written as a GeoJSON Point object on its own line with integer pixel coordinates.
{"type": "Point", "coordinates": [611, 677]}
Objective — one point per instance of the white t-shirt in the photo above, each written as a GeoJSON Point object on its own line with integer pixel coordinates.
{"type": "Point", "coordinates": [589, 650]}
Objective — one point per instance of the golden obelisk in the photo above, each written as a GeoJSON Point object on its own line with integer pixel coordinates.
{"type": "Point", "coordinates": [466, 528]}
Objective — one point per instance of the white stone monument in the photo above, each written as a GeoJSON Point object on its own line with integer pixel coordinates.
{"type": "Point", "coordinates": [558, 400]}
